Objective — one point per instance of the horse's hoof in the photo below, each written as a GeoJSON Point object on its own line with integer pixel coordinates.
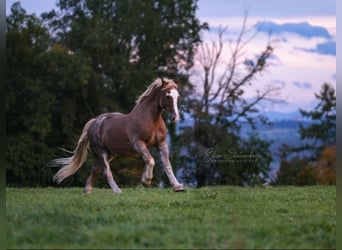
{"type": "Point", "coordinates": [117, 191]}
{"type": "Point", "coordinates": [146, 182]}
{"type": "Point", "coordinates": [146, 185]}
{"type": "Point", "coordinates": [179, 188]}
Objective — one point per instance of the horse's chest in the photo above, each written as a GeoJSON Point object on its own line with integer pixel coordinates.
{"type": "Point", "coordinates": [153, 137]}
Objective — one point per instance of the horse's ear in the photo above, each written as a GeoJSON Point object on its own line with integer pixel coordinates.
{"type": "Point", "coordinates": [164, 83]}
{"type": "Point", "coordinates": [176, 81]}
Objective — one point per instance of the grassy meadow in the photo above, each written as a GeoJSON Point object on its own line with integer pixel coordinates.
{"type": "Point", "coordinates": [210, 217]}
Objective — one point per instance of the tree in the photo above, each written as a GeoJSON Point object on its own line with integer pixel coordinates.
{"type": "Point", "coordinates": [128, 43]}
{"type": "Point", "coordinates": [323, 130]}
{"type": "Point", "coordinates": [28, 104]}
{"type": "Point", "coordinates": [222, 98]}
{"type": "Point", "coordinates": [319, 167]}
{"type": "Point", "coordinates": [299, 170]}
{"type": "Point", "coordinates": [220, 108]}
{"type": "Point", "coordinates": [327, 166]}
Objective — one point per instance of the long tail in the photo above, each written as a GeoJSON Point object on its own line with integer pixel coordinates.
{"type": "Point", "coordinates": [71, 164]}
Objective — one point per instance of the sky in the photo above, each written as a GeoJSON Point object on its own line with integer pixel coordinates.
{"type": "Point", "coordinates": [304, 35]}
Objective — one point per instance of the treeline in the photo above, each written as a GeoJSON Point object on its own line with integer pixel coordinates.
{"type": "Point", "coordinates": [313, 162]}
{"type": "Point", "coordinates": [91, 57]}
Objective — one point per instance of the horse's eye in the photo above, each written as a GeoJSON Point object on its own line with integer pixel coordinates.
{"type": "Point", "coordinates": [167, 96]}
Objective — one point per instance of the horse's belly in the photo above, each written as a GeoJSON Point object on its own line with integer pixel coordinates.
{"type": "Point", "coordinates": [119, 146]}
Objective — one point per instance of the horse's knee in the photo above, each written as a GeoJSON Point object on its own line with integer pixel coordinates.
{"type": "Point", "coordinates": [151, 162]}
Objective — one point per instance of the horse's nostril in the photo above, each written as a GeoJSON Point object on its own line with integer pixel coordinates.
{"type": "Point", "coordinates": [174, 119]}
{"type": "Point", "coordinates": [171, 118]}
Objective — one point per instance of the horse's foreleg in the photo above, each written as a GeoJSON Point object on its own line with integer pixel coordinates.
{"type": "Point", "coordinates": [147, 176]}
{"type": "Point", "coordinates": [164, 156]}
{"type": "Point", "coordinates": [94, 172]}
{"type": "Point", "coordinates": [109, 175]}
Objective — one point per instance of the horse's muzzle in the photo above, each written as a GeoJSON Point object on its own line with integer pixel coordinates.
{"type": "Point", "coordinates": [173, 118]}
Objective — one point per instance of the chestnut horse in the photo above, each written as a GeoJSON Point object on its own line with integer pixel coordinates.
{"type": "Point", "coordinates": [116, 134]}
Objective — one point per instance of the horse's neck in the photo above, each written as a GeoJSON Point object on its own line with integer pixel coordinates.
{"type": "Point", "coordinates": [147, 110]}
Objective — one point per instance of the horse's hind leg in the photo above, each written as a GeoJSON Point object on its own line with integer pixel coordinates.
{"type": "Point", "coordinates": [109, 174]}
{"type": "Point", "coordinates": [97, 167]}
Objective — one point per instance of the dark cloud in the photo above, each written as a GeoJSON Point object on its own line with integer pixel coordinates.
{"type": "Point", "coordinates": [327, 48]}
{"type": "Point", "coordinates": [303, 29]}
{"type": "Point", "coordinates": [302, 85]}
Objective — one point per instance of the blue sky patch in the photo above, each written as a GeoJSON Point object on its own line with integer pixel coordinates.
{"type": "Point", "coordinates": [327, 48]}
{"type": "Point", "coordinates": [302, 85]}
{"type": "Point", "coordinates": [303, 29]}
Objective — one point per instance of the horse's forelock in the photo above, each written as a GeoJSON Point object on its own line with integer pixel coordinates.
{"type": "Point", "coordinates": [157, 84]}
{"type": "Point", "coordinates": [170, 85]}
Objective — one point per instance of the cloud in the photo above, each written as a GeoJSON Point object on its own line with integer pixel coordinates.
{"type": "Point", "coordinates": [303, 29]}
{"type": "Point", "coordinates": [302, 85]}
{"type": "Point", "coordinates": [327, 48]}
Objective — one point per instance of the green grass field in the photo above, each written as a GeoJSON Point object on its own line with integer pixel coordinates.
{"type": "Point", "coordinates": [211, 217]}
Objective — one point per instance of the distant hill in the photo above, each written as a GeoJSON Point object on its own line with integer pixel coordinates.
{"type": "Point", "coordinates": [283, 130]}
{"type": "Point", "coordinates": [278, 133]}
{"type": "Point", "coordinates": [279, 116]}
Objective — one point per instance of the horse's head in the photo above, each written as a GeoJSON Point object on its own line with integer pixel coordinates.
{"type": "Point", "coordinates": [169, 99]}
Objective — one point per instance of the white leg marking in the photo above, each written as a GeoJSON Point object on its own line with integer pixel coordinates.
{"type": "Point", "coordinates": [147, 176]}
{"type": "Point", "coordinates": [149, 168]}
{"type": "Point", "coordinates": [164, 156]}
{"type": "Point", "coordinates": [110, 179]}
